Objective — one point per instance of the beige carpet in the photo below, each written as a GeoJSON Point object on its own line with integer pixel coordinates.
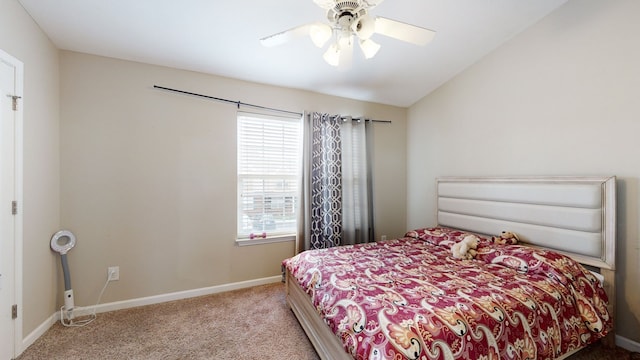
{"type": "Point", "coordinates": [251, 323]}
{"type": "Point", "coordinates": [245, 324]}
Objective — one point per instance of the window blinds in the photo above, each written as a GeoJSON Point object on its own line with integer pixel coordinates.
{"type": "Point", "coordinates": [269, 151]}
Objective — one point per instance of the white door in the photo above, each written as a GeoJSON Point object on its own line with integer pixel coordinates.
{"type": "Point", "coordinates": [8, 121]}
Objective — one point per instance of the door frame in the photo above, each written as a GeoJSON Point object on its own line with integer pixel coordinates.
{"type": "Point", "coordinates": [18, 231]}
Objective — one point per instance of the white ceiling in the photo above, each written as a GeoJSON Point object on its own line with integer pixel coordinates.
{"type": "Point", "coordinates": [221, 37]}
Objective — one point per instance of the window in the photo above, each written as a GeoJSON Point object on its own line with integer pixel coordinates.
{"type": "Point", "coordinates": [269, 161]}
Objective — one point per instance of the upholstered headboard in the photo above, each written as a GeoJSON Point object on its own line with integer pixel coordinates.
{"type": "Point", "coordinates": [572, 215]}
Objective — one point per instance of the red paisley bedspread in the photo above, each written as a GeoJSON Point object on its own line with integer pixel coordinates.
{"type": "Point", "coordinates": [409, 298]}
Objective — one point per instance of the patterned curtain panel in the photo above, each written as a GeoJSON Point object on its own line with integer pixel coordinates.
{"type": "Point", "coordinates": [325, 227]}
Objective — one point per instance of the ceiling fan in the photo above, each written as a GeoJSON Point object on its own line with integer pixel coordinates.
{"type": "Point", "coordinates": [349, 19]}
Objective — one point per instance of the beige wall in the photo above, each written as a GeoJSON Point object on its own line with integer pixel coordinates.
{"type": "Point", "coordinates": [559, 99]}
{"type": "Point", "coordinates": [148, 177]}
{"type": "Point", "coordinates": [23, 39]}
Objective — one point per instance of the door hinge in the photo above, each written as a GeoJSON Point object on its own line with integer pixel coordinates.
{"type": "Point", "coordinates": [14, 207]}
{"type": "Point", "coordinates": [14, 99]}
{"type": "Point", "coordinates": [14, 311]}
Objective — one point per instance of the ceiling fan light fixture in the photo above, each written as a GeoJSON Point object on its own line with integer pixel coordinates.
{"type": "Point", "coordinates": [369, 48]}
{"type": "Point", "coordinates": [320, 34]}
{"type": "Point", "coordinates": [364, 27]}
{"type": "Point", "coordinates": [332, 55]}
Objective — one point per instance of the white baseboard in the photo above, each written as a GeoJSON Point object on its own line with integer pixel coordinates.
{"type": "Point", "coordinates": [149, 300]}
{"type": "Point", "coordinates": [37, 332]}
{"type": "Point", "coordinates": [627, 344]}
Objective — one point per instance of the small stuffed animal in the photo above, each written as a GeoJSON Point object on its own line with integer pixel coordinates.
{"type": "Point", "coordinates": [506, 238]}
{"type": "Point", "coordinates": [465, 249]}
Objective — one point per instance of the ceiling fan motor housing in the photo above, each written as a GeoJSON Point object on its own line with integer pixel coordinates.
{"type": "Point", "coordinates": [351, 17]}
{"type": "Point", "coordinates": [345, 13]}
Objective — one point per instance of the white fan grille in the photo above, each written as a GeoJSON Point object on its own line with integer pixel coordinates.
{"type": "Point", "coordinates": [346, 6]}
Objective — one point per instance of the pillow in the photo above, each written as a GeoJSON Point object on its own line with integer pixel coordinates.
{"type": "Point", "coordinates": [440, 235]}
{"type": "Point", "coordinates": [525, 259]}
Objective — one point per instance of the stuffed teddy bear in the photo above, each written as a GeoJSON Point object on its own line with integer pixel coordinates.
{"type": "Point", "coordinates": [506, 238]}
{"type": "Point", "coordinates": [465, 249]}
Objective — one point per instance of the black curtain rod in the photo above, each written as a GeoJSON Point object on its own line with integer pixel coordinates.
{"type": "Point", "coordinates": [372, 120]}
{"type": "Point", "coordinates": [240, 103]}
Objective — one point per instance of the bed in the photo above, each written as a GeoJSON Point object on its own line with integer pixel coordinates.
{"type": "Point", "coordinates": [530, 300]}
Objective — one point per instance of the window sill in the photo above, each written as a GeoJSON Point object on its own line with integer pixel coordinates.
{"type": "Point", "coordinates": [269, 240]}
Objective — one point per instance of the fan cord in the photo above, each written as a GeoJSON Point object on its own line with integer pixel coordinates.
{"type": "Point", "coordinates": [70, 322]}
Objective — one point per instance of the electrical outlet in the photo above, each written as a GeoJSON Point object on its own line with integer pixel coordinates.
{"type": "Point", "coordinates": [383, 237]}
{"type": "Point", "coordinates": [113, 273]}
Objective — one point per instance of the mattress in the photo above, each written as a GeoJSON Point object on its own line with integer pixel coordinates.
{"type": "Point", "coordinates": [410, 298]}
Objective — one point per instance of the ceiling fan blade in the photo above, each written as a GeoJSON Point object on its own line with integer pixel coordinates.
{"type": "Point", "coordinates": [346, 53]}
{"type": "Point", "coordinates": [325, 4]}
{"type": "Point", "coordinates": [404, 32]}
{"type": "Point", "coordinates": [370, 4]}
{"type": "Point", "coordinates": [286, 36]}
